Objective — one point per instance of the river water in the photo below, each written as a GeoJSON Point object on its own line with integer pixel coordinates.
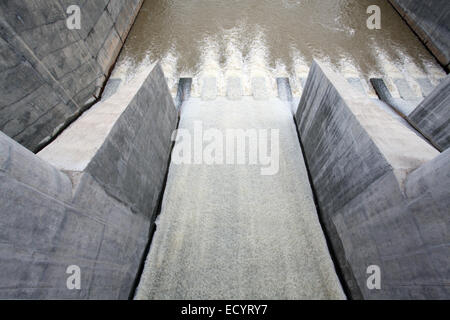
{"type": "Point", "coordinates": [272, 38]}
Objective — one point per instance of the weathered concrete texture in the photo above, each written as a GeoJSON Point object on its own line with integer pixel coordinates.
{"type": "Point", "coordinates": [97, 217]}
{"type": "Point", "coordinates": [425, 86]}
{"type": "Point", "coordinates": [183, 92]}
{"type": "Point", "coordinates": [431, 21]}
{"type": "Point", "coordinates": [357, 84]}
{"type": "Point", "coordinates": [51, 73]}
{"type": "Point", "coordinates": [373, 178]}
{"type": "Point", "coordinates": [228, 232]}
{"type": "Point", "coordinates": [404, 89]}
{"type": "Point", "coordinates": [284, 89]}
{"type": "Point", "coordinates": [401, 106]}
{"type": "Point", "coordinates": [432, 116]}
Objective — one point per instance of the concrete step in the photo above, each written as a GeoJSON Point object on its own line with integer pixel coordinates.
{"type": "Point", "coordinates": [259, 88]}
{"type": "Point", "coordinates": [407, 91]}
{"type": "Point", "coordinates": [411, 87]}
{"type": "Point", "coordinates": [209, 89]}
{"type": "Point", "coordinates": [356, 83]}
{"type": "Point", "coordinates": [234, 88]}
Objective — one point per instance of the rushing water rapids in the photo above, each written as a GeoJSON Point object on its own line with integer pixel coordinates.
{"type": "Point", "coordinates": [272, 38]}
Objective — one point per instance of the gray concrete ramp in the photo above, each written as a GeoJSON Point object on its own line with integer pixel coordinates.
{"type": "Point", "coordinates": [229, 232]}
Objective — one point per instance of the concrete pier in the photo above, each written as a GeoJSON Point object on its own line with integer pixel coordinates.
{"type": "Point", "coordinates": [432, 116]}
{"type": "Point", "coordinates": [88, 200]}
{"type": "Point", "coordinates": [372, 177]}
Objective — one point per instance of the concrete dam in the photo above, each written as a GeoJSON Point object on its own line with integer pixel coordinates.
{"type": "Point", "coordinates": [176, 150]}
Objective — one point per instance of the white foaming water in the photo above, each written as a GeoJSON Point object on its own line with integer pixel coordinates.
{"type": "Point", "coordinates": [169, 65]}
{"type": "Point", "coordinates": [257, 41]}
{"type": "Point", "coordinates": [254, 64]}
{"type": "Point", "coordinates": [227, 232]}
{"type": "Point", "coordinates": [210, 68]}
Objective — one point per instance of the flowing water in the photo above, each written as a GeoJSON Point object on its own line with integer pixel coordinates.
{"type": "Point", "coordinates": [227, 232]}
{"type": "Point", "coordinates": [272, 38]}
{"type": "Point", "coordinates": [230, 232]}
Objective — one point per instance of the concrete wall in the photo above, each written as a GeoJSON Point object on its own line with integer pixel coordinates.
{"type": "Point", "coordinates": [431, 21]}
{"type": "Point", "coordinates": [97, 218]}
{"type": "Point", "coordinates": [48, 73]}
{"type": "Point", "coordinates": [432, 116]}
{"type": "Point", "coordinates": [383, 192]}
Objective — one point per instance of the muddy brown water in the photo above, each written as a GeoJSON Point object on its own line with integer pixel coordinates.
{"type": "Point", "coordinates": [290, 32]}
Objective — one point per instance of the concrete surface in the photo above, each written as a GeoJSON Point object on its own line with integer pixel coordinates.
{"type": "Point", "coordinates": [432, 116]}
{"type": "Point", "coordinates": [96, 212]}
{"type": "Point", "coordinates": [227, 232]}
{"type": "Point", "coordinates": [425, 86]}
{"type": "Point", "coordinates": [209, 89]}
{"type": "Point", "coordinates": [234, 88]}
{"type": "Point", "coordinates": [357, 84]}
{"type": "Point", "coordinates": [372, 176]}
{"type": "Point", "coordinates": [183, 91]}
{"type": "Point", "coordinates": [406, 93]}
{"type": "Point", "coordinates": [259, 88]}
{"type": "Point", "coordinates": [400, 105]}
{"type": "Point", "coordinates": [74, 149]}
{"type": "Point", "coordinates": [284, 89]}
{"type": "Point", "coordinates": [430, 20]}
{"type": "Point", "coordinates": [60, 71]}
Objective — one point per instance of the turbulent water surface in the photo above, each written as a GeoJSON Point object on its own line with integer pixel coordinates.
{"type": "Point", "coordinates": [273, 38]}
{"type": "Point", "coordinates": [227, 231]}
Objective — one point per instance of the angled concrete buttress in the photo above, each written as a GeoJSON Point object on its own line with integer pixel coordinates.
{"type": "Point", "coordinates": [87, 200]}
{"type": "Point", "coordinates": [432, 116]}
{"type": "Point", "coordinates": [383, 192]}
